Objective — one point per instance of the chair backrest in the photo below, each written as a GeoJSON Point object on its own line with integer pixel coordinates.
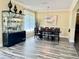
{"type": "Point", "coordinates": [36, 29]}
{"type": "Point", "coordinates": [56, 30]}
{"type": "Point", "coordinates": [51, 29]}
{"type": "Point", "coordinates": [46, 29]}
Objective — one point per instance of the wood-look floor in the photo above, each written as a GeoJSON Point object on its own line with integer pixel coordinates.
{"type": "Point", "coordinates": [34, 48]}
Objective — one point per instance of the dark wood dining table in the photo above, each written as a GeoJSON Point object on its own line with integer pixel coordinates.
{"type": "Point", "coordinates": [52, 33]}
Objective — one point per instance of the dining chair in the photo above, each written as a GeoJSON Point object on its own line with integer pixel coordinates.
{"type": "Point", "coordinates": [56, 34]}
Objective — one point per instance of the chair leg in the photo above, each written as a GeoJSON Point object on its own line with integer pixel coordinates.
{"type": "Point", "coordinates": [58, 39]}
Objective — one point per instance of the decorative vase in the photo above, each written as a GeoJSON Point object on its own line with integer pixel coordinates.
{"type": "Point", "coordinates": [10, 5]}
{"type": "Point", "coordinates": [20, 12]}
{"type": "Point", "coordinates": [15, 9]}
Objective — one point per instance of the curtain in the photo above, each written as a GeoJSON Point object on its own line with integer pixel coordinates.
{"type": "Point", "coordinates": [29, 23]}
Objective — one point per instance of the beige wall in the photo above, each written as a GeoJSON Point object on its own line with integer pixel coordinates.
{"type": "Point", "coordinates": [62, 22]}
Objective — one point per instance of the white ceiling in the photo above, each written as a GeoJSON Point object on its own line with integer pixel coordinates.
{"type": "Point", "coordinates": [47, 4]}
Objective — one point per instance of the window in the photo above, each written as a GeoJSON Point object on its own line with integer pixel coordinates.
{"type": "Point", "coordinates": [29, 23]}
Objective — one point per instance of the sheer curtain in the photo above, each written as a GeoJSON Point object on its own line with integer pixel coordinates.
{"type": "Point", "coordinates": [29, 23]}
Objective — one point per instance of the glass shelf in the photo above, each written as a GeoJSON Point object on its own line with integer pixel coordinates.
{"type": "Point", "coordinates": [12, 22]}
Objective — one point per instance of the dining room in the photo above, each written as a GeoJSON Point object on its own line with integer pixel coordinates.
{"type": "Point", "coordinates": [38, 29]}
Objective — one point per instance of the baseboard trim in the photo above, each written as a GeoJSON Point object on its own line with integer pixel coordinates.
{"type": "Point", "coordinates": [64, 37]}
{"type": "Point", "coordinates": [71, 41]}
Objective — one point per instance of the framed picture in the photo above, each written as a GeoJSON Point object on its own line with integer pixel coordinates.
{"type": "Point", "coordinates": [51, 19]}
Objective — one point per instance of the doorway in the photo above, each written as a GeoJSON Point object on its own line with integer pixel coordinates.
{"type": "Point", "coordinates": [77, 33]}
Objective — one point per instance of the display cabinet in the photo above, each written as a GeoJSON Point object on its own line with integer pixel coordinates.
{"type": "Point", "coordinates": [12, 22]}
{"type": "Point", "coordinates": [12, 27]}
